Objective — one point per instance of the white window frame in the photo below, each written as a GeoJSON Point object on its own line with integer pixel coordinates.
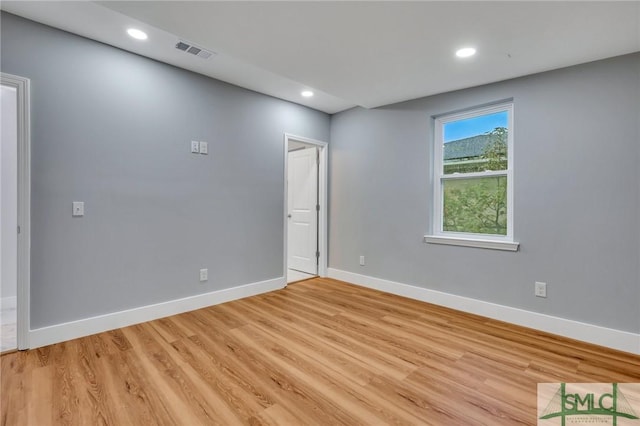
{"type": "Point", "coordinates": [490, 241]}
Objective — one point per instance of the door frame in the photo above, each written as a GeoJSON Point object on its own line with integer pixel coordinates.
{"type": "Point", "coordinates": [23, 90]}
{"type": "Point", "coordinates": [322, 197]}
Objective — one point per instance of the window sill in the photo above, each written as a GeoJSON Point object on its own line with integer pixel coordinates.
{"type": "Point", "coordinates": [468, 242]}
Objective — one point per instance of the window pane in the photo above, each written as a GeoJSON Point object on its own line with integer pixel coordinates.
{"type": "Point", "coordinates": [476, 144]}
{"type": "Point", "coordinates": [475, 205]}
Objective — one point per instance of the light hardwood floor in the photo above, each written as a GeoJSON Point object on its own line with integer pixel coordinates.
{"type": "Point", "coordinates": [318, 352]}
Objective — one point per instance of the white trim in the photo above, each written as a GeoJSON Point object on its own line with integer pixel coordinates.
{"type": "Point", "coordinates": [490, 173]}
{"type": "Point", "coordinates": [8, 303]}
{"type": "Point", "coordinates": [22, 86]}
{"type": "Point", "coordinates": [88, 326]}
{"type": "Point", "coordinates": [323, 174]}
{"type": "Point", "coordinates": [472, 242]}
{"type": "Point", "coordinates": [439, 177]}
{"type": "Point", "coordinates": [611, 338]}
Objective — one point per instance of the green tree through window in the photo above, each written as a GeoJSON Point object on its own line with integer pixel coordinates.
{"type": "Point", "coordinates": [480, 205]}
{"type": "Point", "coordinates": [495, 152]}
{"type": "Point", "coordinates": [476, 205]}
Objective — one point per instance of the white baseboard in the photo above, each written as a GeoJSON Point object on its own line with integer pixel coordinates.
{"type": "Point", "coordinates": [85, 327]}
{"type": "Point", "coordinates": [9, 302]}
{"type": "Point", "coordinates": [616, 339]}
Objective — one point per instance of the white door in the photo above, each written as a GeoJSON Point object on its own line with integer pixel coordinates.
{"type": "Point", "coordinates": [302, 232]}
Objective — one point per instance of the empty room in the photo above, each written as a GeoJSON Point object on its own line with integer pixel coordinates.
{"type": "Point", "coordinates": [320, 213]}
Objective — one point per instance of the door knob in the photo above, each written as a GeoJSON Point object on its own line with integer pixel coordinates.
{"type": "Point", "coordinates": [289, 216]}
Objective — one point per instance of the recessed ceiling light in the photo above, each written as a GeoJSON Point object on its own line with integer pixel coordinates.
{"type": "Point", "coordinates": [137, 34]}
{"type": "Point", "coordinates": [465, 52]}
{"type": "Point", "coordinates": [307, 93]}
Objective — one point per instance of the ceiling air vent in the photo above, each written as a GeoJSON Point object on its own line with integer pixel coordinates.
{"type": "Point", "coordinates": [194, 50]}
{"type": "Point", "coordinates": [182, 46]}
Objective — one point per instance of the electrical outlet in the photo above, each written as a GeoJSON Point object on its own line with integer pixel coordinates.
{"type": "Point", "coordinates": [78, 208]}
{"type": "Point", "coordinates": [204, 274]}
{"type": "Point", "coordinates": [540, 289]}
{"type": "Point", "coordinates": [361, 260]}
{"type": "Point", "coordinates": [195, 147]}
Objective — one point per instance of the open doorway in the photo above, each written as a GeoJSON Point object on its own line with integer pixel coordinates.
{"type": "Point", "coordinates": [305, 208]}
{"type": "Point", "coordinates": [15, 212]}
{"type": "Point", "coordinates": [8, 219]}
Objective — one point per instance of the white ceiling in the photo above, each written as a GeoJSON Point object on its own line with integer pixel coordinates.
{"type": "Point", "coordinates": [356, 53]}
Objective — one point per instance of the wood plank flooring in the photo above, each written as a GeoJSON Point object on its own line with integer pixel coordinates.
{"type": "Point", "coordinates": [318, 352]}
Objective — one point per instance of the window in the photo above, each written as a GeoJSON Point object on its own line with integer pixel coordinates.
{"type": "Point", "coordinates": [473, 184]}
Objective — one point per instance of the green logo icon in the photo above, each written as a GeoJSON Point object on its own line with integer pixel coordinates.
{"type": "Point", "coordinates": [610, 405]}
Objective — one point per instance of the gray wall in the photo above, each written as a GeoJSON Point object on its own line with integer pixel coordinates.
{"type": "Point", "coordinates": [112, 129]}
{"type": "Point", "coordinates": [577, 178]}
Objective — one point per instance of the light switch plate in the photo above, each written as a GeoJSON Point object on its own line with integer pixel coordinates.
{"type": "Point", "coordinates": [195, 147]}
{"type": "Point", "coordinates": [78, 208]}
{"type": "Point", "coordinates": [204, 148]}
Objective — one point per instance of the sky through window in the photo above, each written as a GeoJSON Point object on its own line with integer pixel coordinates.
{"type": "Point", "coordinates": [461, 129]}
